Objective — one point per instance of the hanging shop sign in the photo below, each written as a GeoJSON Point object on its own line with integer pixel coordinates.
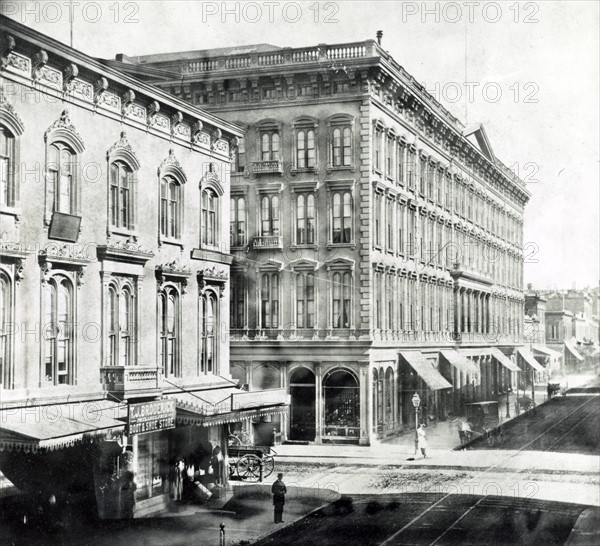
{"type": "Point", "coordinates": [151, 416]}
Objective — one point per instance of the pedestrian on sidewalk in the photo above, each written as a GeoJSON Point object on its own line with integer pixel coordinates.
{"type": "Point", "coordinates": [279, 490]}
{"type": "Point", "coordinates": [422, 439]}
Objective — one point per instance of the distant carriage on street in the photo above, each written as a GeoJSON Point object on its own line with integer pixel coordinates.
{"type": "Point", "coordinates": [483, 418]}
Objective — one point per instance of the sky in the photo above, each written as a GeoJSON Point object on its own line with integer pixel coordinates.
{"type": "Point", "coordinates": [528, 71]}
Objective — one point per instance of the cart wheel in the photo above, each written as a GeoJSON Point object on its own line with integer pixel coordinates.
{"type": "Point", "coordinates": [248, 468]}
{"type": "Point", "coordinates": [268, 465]}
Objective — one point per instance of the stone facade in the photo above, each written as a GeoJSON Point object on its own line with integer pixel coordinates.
{"type": "Point", "coordinates": [115, 289]}
{"type": "Point", "coordinates": [398, 235]}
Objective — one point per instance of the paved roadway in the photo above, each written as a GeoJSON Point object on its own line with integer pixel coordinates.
{"type": "Point", "coordinates": [567, 424]}
{"type": "Point", "coordinates": [392, 520]}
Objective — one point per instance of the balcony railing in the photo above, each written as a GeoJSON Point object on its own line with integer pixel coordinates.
{"type": "Point", "coordinates": [131, 379]}
{"type": "Point", "coordinates": [268, 241]}
{"type": "Point", "coordinates": [261, 167]}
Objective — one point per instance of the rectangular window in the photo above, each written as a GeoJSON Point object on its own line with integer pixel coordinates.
{"type": "Point", "coordinates": [269, 295]}
{"type": "Point", "coordinates": [341, 296]}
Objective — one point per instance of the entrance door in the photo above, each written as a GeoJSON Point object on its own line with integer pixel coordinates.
{"type": "Point", "coordinates": [302, 411]}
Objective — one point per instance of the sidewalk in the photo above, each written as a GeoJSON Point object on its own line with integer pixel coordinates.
{"type": "Point", "coordinates": [246, 513]}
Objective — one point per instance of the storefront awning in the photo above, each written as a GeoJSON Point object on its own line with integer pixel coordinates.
{"type": "Point", "coordinates": [546, 351]}
{"type": "Point", "coordinates": [573, 351]}
{"type": "Point", "coordinates": [530, 359]}
{"type": "Point", "coordinates": [504, 360]}
{"type": "Point", "coordinates": [426, 371]}
{"type": "Point", "coordinates": [227, 405]}
{"type": "Point", "coordinates": [461, 362]}
{"type": "Point", "coordinates": [58, 426]}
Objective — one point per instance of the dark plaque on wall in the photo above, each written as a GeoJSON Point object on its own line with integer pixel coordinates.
{"type": "Point", "coordinates": [64, 227]}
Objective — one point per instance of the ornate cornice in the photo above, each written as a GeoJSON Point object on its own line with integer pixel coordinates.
{"type": "Point", "coordinates": [129, 251]}
{"type": "Point", "coordinates": [175, 271]}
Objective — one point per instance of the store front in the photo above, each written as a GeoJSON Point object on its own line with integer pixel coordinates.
{"type": "Point", "coordinates": [341, 391]}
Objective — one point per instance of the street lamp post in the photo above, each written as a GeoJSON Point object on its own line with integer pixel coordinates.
{"type": "Point", "coordinates": [507, 402]}
{"type": "Point", "coordinates": [416, 400]}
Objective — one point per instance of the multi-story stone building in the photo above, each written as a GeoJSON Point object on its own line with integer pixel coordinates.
{"type": "Point", "coordinates": [377, 240]}
{"type": "Point", "coordinates": [114, 289]}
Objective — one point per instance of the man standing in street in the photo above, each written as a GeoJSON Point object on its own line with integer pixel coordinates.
{"type": "Point", "coordinates": [279, 490]}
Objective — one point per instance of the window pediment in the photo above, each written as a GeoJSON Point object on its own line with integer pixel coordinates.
{"type": "Point", "coordinates": [63, 130]}
{"type": "Point", "coordinates": [122, 150]}
{"type": "Point", "coordinates": [174, 272]}
{"type": "Point", "coordinates": [9, 117]}
{"type": "Point", "coordinates": [304, 264]}
{"type": "Point", "coordinates": [270, 265]}
{"type": "Point", "coordinates": [170, 165]}
{"type": "Point", "coordinates": [340, 264]}
{"type": "Point", "coordinates": [211, 180]}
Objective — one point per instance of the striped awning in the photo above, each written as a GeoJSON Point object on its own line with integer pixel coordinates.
{"type": "Point", "coordinates": [58, 426]}
{"type": "Point", "coordinates": [573, 351]}
{"type": "Point", "coordinates": [530, 359]}
{"type": "Point", "coordinates": [546, 351]}
{"type": "Point", "coordinates": [425, 370]}
{"type": "Point", "coordinates": [222, 406]}
{"type": "Point", "coordinates": [504, 360]}
{"type": "Point", "coordinates": [460, 361]}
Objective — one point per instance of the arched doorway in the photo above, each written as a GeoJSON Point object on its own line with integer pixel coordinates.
{"type": "Point", "coordinates": [302, 411]}
{"type": "Point", "coordinates": [342, 405]}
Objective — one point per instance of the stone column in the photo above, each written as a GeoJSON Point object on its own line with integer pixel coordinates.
{"type": "Point", "coordinates": [319, 404]}
{"type": "Point", "coordinates": [366, 403]}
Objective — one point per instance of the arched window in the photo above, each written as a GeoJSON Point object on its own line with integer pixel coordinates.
{"type": "Point", "coordinates": [305, 300]}
{"type": "Point", "coordinates": [342, 217]}
{"type": "Point", "coordinates": [342, 284]}
{"type": "Point", "coordinates": [270, 146]}
{"type": "Point", "coordinates": [121, 329]}
{"type": "Point", "coordinates": [341, 147]}
{"type": "Point", "coordinates": [208, 332]}
{"type": "Point", "coordinates": [6, 321]}
{"type": "Point", "coordinates": [266, 377]}
{"type": "Point", "coordinates": [209, 221]}
{"type": "Point", "coordinates": [269, 300]}
{"type": "Point", "coordinates": [170, 207]}
{"type": "Point", "coordinates": [305, 149]}
{"type": "Point", "coordinates": [121, 195]}
{"type": "Point", "coordinates": [169, 332]}
{"type": "Point", "coordinates": [342, 404]}
{"type": "Point", "coordinates": [62, 169]}
{"type": "Point", "coordinates": [237, 221]}
{"type": "Point", "coordinates": [8, 184]}
{"type": "Point", "coordinates": [58, 338]}
{"type": "Point", "coordinates": [305, 219]}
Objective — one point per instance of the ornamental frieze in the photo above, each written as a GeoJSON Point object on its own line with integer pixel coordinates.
{"type": "Point", "coordinates": [81, 89]}
{"type": "Point", "coordinates": [18, 63]}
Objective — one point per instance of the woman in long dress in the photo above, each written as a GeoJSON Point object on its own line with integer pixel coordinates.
{"type": "Point", "coordinates": [422, 439]}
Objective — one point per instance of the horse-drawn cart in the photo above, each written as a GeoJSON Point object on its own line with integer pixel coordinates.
{"type": "Point", "coordinates": [245, 462]}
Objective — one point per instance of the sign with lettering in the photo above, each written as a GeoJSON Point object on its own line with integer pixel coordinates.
{"type": "Point", "coordinates": [151, 416]}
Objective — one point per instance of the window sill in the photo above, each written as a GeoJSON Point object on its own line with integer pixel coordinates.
{"type": "Point", "coordinates": [170, 241]}
{"type": "Point", "coordinates": [11, 211]}
{"type": "Point", "coordinates": [331, 168]}
{"type": "Point", "coordinates": [390, 178]}
{"type": "Point", "coordinates": [121, 231]}
{"type": "Point", "coordinates": [330, 245]}
{"type": "Point", "coordinates": [299, 246]}
{"type": "Point", "coordinates": [298, 170]}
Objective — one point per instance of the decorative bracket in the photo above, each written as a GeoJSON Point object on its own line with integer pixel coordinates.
{"type": "Point", "coordinates": [7, 46]}
{"type": "Point", "coordinates": [128, 98]}
{"type": "Point", "coordinates": [99, 89]}
{"type": "Point", "coordinates": [176, 120]}
{"type": "Point", "coordinates": [39, 61]}
{"type": "Point", "coordinates": [69, 74]}
{"type": "Point", "coordinates": [153, 110]}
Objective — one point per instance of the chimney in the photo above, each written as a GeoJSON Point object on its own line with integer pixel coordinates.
{"type": "Point", "coordinates": [379, 36]}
